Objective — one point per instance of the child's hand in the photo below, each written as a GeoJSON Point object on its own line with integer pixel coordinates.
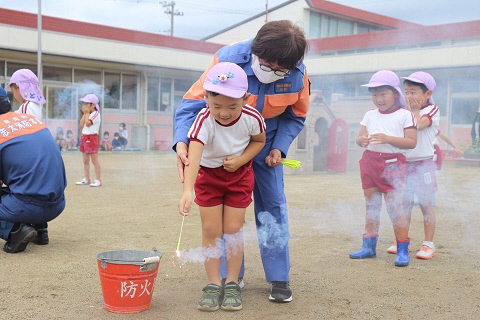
{"type": "Point", "coordinates": [459, 152]}
{"type": "Point", "coordinates": [413, 104]}
{"type": "Point", "coordinates": [364, 140]}
{"type": "Point", "coordinates": [231, 163]}
{"type": "Point", "coordinates": [378, 138]}
{"type": "Point", "coordinates": [185, 204]}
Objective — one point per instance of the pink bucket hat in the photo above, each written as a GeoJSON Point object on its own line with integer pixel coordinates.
{"type": "Point", "coordinates": [27, 82]}
{"type": "Point", "coordinates": [387, 78]}
{"type": "Point", "coordinates": [227, 79]}
{"type": "Point", "coordinates": [426, 79]}
{"type": "Point", "coordinates": [91, 98]}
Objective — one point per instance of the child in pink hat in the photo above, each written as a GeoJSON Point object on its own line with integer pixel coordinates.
{"type": "Point", "coordinates": [421, 177]}
{"type": "Point", "coordinates": [90, 124]}
{"type": "Point", "coordinates": [386, 133]}
{"type": "Point", "coordinates": [224, 138]}
{"type": "Point", "coordinates": [24, 85]}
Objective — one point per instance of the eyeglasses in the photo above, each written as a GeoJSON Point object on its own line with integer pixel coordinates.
{"type": "Point", "coordinates": [278, 72]}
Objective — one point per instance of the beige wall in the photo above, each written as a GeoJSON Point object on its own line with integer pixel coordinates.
{"type": "Point", "coordinates": [23, 39]}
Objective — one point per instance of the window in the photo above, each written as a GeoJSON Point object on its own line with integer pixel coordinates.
{"type": "Point", "coordinates": [57, 74]}
{"type": "Point", "coordinates": [2, 68]}
{"type": "Point", "coordinates": [88, 76]}
{"type": "Point", "coordinates": [464, 110]}
{"type": "Point", "coordinates": [362, 28]}
{"type": "Point", "coordinates": [314, 27]}
{"type": "Point", "coordinates": [375, 29]}
{"type": "Point", "coordinates": [120, 91]}
{"type": "Point", "coordinates": [129, 92]}
{"type": "Point", "coordinates": [60, 104]}
{"type": "Point", "coordinates": [183, 85]}
{"type": "Point", "coordinates": [159, 94]}
{"type": "Point", "coordinates": [345, 27]}
{"type": "Point", "coordinates": [12, 67]}
{"type": "Point", "coordinates": [344, 86]}
{"type": "Point", "coordinates": [465, 83]}
{"type": "Point", "coordinates": [112, 90]}
{"type": "Point", "coordinates": [440, 94]}
{"type": "Point", "coordinates": [153, 93]}
{"type": "Point", "coordinates": [324, 26]}
{"type": "Point", "coordinates": [166, 94]}
{"type": "Point", "coordinates": [328, 26]}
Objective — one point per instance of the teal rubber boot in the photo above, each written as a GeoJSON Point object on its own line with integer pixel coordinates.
{"type": "Point", "coordinates": [403, 257]}
{"type": "Point", "coordinates": [368, 249]}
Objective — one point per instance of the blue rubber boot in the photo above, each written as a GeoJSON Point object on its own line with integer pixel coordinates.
{"type": "Point", "coordinates": [403, 257]}
{"type": "Point", "coordinates": [368, 249]}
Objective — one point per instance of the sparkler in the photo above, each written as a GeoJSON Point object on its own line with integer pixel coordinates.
{"type": "Point", "coordinates": [180, 238]}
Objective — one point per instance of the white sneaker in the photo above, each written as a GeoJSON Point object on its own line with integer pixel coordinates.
{"type": "Point", "coordinates": [393, 248]}
{"type": "Point", "coordinates": [427, 251]}
{"type": "Point", "coordinates": [241, 283]}
{"type": "Point", "coordinates": [96, 183]}
{"type": "Point", "coordinates": [84, 181]}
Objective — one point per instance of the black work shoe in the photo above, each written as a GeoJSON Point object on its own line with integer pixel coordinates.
{"type": "Point", "coordinates": [19, 239]}
{"type": "Point", "coordinates": [42, 237]}
{"type": "Point", "coordinates": [281, 292]}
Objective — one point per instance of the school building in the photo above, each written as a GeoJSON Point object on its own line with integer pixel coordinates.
{"type": "Point", "coordinates": [141, 77]}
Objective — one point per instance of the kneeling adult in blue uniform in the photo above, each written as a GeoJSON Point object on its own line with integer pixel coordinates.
{"type": "Point", "coordinates": [33, 171]}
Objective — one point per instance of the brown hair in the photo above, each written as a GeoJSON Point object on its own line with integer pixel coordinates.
{"type": "Point", "coordinates": [280, 42]}
{"type": "Point", "coordinates": [5, 107]}
{"type": "Point", "coordinates": [418, 84]}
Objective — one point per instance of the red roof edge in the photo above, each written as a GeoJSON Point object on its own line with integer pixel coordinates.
{"type": "Point", "coordinates": [29, 20]}
{"type": "Point", "coordinates": [407, 36]}
{"type": "Point", "coordinates": [359, 14]}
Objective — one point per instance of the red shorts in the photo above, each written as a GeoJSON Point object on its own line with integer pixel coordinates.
{"type": "Point", "coordinates": [89, 144]}
{"type": "Point", "coordinates": [421, 177]}
{"type": "Point", "coordinates": [386, 171]}
{"type": "Point", "coordinates": [216, 186]}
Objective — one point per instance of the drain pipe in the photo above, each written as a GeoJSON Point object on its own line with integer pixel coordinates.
{"type": "Point", "coordinates": [145, 107]}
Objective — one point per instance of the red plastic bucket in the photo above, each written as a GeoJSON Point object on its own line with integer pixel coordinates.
{"type": "Point", "coordinates": [128, 279]}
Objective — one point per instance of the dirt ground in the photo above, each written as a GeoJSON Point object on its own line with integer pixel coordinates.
{"type": "Point", "coordinates": [136, 210]}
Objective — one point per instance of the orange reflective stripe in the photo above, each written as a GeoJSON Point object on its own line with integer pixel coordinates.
{"type": "Point", "coordinates": [13, 125]}
{"type": "Point", "coordinates": [196, 91]}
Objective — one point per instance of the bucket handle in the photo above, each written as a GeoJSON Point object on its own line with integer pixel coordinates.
{"type": "Point", "coordinates": [149, 263]}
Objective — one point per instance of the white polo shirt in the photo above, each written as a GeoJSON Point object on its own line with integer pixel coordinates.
{"type": "Point", "coordinates": [392, 123]}
{"type": "Point", "coordinates": [29, 107]}
{"type": "Point", "coordinates": [94, 118]}
{"type": "Point", "coordinates": [427, 137]}
{"type": "Point", "coordinates": [221, 141]}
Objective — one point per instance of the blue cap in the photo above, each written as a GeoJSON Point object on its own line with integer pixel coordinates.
{"type": "Point", "coordinates": [3, 95]}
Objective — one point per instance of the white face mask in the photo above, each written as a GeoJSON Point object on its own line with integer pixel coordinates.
{"type": "Point", "coordinates": [263, 76]}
